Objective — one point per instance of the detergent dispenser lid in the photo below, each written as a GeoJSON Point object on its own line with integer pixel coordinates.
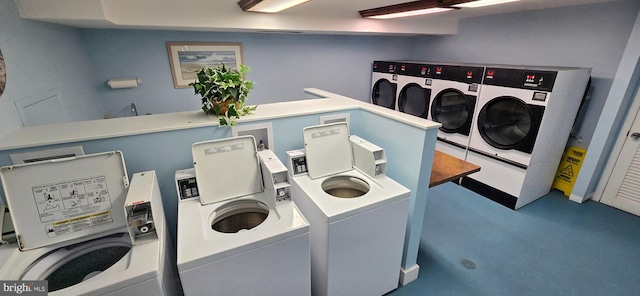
{"type": "Point", "coordinates": [65, 199]}
{"type": "Point", "coordinates": [226, 168]}
{"type": "Point", "coordinates": [328, 149]}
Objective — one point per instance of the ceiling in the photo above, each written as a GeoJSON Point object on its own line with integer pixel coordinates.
{"type": "Point", "coordinates": [316, 16]}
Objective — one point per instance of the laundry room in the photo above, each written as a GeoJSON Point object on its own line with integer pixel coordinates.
{"type": "Point", "coordinates": [103, 78]}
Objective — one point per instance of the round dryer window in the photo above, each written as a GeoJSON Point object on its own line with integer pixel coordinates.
{"type": "Point", "coordinates": [414, 100]}
{"type": "Point", "coordinates": [452, 109]}
{"type": "Point", "coordinates": [3, 74]}
{"type": "Point", "coordinates": [505, 122]}
{"type": "Point", "coordinates": [384, 94]}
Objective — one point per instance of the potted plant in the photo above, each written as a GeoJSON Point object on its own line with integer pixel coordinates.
{"type": "Point", "coordinates": [224, 92]}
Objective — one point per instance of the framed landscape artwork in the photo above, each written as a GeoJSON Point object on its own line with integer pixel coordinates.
{"type": "Point", "coordinates": [187, 59]}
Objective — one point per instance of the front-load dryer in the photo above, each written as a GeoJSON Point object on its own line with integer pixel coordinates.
{"type": "Point", "coordinates": [384, 84]}
{"type": "Point", "coordinates": [357, 221]}
{"type": "Point", "coordinates": [455, 90]}
{"type": "Point", "coordinates": [237, 236]}
{"type": "Point", "coordinates": [77, 228]}
{"type": "Point", "coordinates": [521, 129]}
{"type": "Point", "coordinates": [414, 93]}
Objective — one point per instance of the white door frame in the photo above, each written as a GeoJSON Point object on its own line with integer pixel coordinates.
{"type": "Point", "coordinates": [617, 148]}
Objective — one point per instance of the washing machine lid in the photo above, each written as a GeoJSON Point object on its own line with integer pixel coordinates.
{"type": "Point", "coordinates": [66, 199]}
{"type": "Point", "coordinates": [328, 149]}
{"type": "Point", "coordinates": [226, 168]}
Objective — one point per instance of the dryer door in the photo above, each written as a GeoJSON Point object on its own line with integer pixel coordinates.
{"type": "Point", "coordinates": [384, 93]}
{"type": "Point", "coordinates": [454, 110]}
{"type": "Point", "coordinates": [414, 100]}
{"type": "Point", "coordinates": [509, 123]}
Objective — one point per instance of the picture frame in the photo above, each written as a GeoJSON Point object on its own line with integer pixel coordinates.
{"type": "Point", "coordinates": [187, 58]}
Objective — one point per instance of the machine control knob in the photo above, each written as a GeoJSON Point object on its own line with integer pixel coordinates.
{"type": "Point", "coordinates": [635, 135]}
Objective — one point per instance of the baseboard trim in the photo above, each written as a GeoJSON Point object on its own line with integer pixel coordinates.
{"type": "Point", "coordinates": [580, 199]}
{"type": "Point", "coordinates": [409, 275]}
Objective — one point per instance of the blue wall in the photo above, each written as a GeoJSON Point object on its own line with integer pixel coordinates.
{"type": "Point", "coordinates": [282, 65]}
{"type": "Point", "coordinates": [591, 36]}
{"type": "Point", "coordinates": [78, 62]}
{"type": "Point", "coordinates": [40, 57]}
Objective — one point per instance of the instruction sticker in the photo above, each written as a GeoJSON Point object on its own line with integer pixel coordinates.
{"type": "Point", "coordinates": [71, 199]}
{"type": "Point", "coordinates": [323, 134]}
{"type": "Point", "coordinates": [222, 149]}
{"type": "Point", "coordinates": [78, 223]}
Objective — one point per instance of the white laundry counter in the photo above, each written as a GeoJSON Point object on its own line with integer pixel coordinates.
{"type": "Point", "coordinates": [125, 126]}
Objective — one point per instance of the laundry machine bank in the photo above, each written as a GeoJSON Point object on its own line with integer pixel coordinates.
{"type": "Point", "coordinates": [82, 227]}
{"type": "Point", "coordinates": [520, 131]}
{"type": "Point", "coordinates": [444, 93]}
{"type": "Point", "coordinates": [384, 84]}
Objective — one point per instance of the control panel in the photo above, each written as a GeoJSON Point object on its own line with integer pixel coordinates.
{"type": "Point", "coordinates": [143, 195]}
{"type": "Point", "coordinates": [297, 162]}
{"type": "Point", "coordinates": [186, 184]}
{"type": "Point", "coordinates": [140, 218]}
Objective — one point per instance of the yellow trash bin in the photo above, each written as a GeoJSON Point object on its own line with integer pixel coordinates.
{"type": "Point", "coordinates": [568, 169]}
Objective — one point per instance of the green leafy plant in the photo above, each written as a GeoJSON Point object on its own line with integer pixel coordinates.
{"type": "Point", "coordinates": [224, 92]}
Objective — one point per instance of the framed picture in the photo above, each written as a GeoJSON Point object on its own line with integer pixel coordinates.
{"type": "Point", "coordinates": [187, 59]}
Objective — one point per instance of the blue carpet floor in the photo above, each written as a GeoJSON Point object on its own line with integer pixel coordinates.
{"type": "Point", "coordinates": [471, 245]}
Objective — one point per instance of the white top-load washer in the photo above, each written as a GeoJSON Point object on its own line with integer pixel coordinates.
{"type": "Point", "coordinates": [236, 236]}
{"type": "Point", "coordinates": [79, 228]}
{"type": "Point", "coordinates": [358, 221]}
